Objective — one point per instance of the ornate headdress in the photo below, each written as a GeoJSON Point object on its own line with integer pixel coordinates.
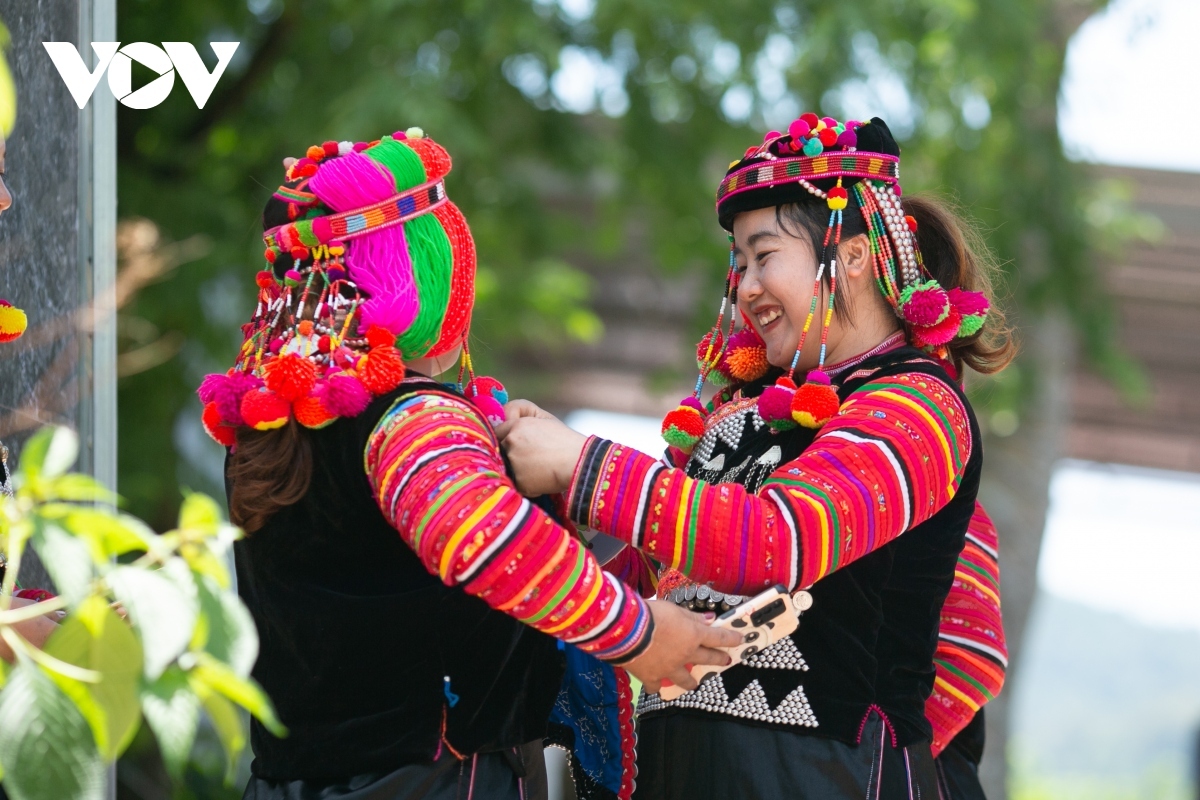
{"type": "Point", "coordinates": [369, 264]}
{"type": "Point", "coordinates": [844, 164]}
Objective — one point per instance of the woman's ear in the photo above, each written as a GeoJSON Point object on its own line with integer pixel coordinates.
{"type": "Point", "coordinates": [854, 256]}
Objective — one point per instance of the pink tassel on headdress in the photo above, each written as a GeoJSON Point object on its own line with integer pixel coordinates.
{"type": "Point", "coordinates": [343, 395]}
{"type": "Point", "coordinates": [379, 264]}
{"type": "Point", "coordinates": [227, 392]}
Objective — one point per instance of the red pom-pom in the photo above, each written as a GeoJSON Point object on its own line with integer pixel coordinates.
{"type": "Point", "coordinates": [911, 221]}
{"type": "Point", "coordinates": [379, 336]}
{"type": "Point", "coordinates": [925, 305]}
{"type": "Point", "coordinates": [264, 410]}
{"type": "Point", "coordinates": [775, 404]}
{"type": "Point", "coordinates": [330, 148]}
{"type": "Point", "coordinates": [811, 118]}
{"type": "Point", "coordinates": [381, 370]}
{"type": "Point", "coordinates": [323, 344]}
{"type": "Point", "coordinates": [486, 386]}
{"type": "Point", "coordinates": [305, 170]}
{"type": "Point", "coordinates": [311, 413]}
{"type": "Point", "coordinates": [290, 376]}
{"type": "Point", "coordinates": [222, 434]}
{"type": "Point", "coordinates": [939, 334]}
{"type": "Point", "coordinates": [322, 229]}
{"type": "Point", "coordinates": [683, 427]}
{"type": "Point", "coordinates": [270, 254]}
{"type": "Point", "coordinates": [828, 137]}
{"type": "Point", "coordinates": [968, 303]}
{"type": "Point", "coordinates": [814, 404]}
{"type": "Point", "coordinates": [708, 351]}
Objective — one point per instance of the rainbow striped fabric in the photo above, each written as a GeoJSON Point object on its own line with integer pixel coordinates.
{"type": "Point", "coordinates": [436, 471]}
{"type": "Point", "coordinates": [890, 459]}
{"type": "Point", "coordinates": [971, 656]}
{"type": "Point", "coordinates": [789, 170]}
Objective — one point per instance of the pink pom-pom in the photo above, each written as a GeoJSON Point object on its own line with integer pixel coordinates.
{"type": "Point", "coordinates": [817, 376]}
{"type": "Point", "coordinates": [322, 229]}
{"type": "Point", "coordinates": [360, 146]}
{"type": "Point", "coordinates": [830, 122]}
{"type": "Point", "coordinates": [225, 392]}
{"type": "Point", "coordinates": [969, 303]}
{"type": "Point", "coordinates": [490, 408]}
{"type": "Point", "coordinates": [775, 404]}
{"type": "Point", "coordinates": [771, 135]}
{"type": "Point", "coordinates": [799, 129]}
{"type": "Point", "coordinates": [343, 395]}
{"type": "Point", "coordinates": [848, 138]}
{"type": "Point", "coordinates": [925, 306]}
{"type": "Point", "coordinates": [209, 387]}
{"type": "Point", "coordinates": [940, 333]}
{"type": "Point", "coordinates": [692, 402]}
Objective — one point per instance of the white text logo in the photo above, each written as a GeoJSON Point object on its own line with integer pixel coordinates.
{"type": "Point", "coordinates": [172, 57]}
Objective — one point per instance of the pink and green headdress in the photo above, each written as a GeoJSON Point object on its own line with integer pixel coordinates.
{"type": "Point", "coordinates": [368, 264]}
{"type": "Point", "coordinates": [850, 166]}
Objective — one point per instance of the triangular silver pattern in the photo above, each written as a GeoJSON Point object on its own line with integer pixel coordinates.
{"type": "Point", "coordinates": [750, 704]}
{"type": "Point", "coordinates": [782, 655]}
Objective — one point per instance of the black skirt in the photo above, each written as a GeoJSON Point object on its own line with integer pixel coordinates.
{"type": "Point", "coordinates": [686, 757]}
{"type": "Point", "coordinates": [518, 774]}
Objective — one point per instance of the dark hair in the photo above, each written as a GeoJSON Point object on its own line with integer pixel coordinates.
{"type": "Point", "coordinates": [268, 470]}
{"type": "Point", "coordinates": [954, 253]}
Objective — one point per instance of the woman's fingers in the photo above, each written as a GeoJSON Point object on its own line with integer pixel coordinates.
{"type": "Point", "coordinates": [683, 679]}
{"type": "Point", "coordinates": [720, 637]}
{"type": "Point", "coordinates": [515, 410]}
{"type": "Point", "coordinates": [709, 656]}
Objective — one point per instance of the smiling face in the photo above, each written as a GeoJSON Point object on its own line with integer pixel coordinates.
{"type": "Point", "coordinates": [776, 273]}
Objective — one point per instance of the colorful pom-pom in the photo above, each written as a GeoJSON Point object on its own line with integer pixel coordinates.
{"type": "Point", "coordinates": [747, 355]}
{"type": "Point", "coordinates": [910, 221]}
{"type": "Point", "coordinates": [694, 404]}
{"type": "Point", "coordinates": [924, 304]}
{"type": "Point", "coordinates": [683, 427]}
{"type": "Point", "coordinates": [830, 122]}
{"type": "Point", "coordinates": [971, 324]}
{"type": "Point", "coordinates": [769, 135]}
{"type": "Point", "coordinates": [264, 410]}
{"type": "Point", "coordinates": [847, 138]}
{"type": "Point", "coordinates": [324, 343]}
{"type": "Point", "coordinates": [12, 322]}
{"type": "Point", "coordinates": [305, 170]}
{"type": "Point", "coordinates": [799, 129]}
{"type": "Point", "coordinates": [815, 402]}
{"type": "Point", "coordinates": [343, 395]}
{"type": "Point", "coordinates": [290, 376]}
{"type": "Point", "coordinates": [775, 404]}
{"type": "Point", "coordinates": [334, 274]}
{"type": "Point", "coordinates": [316, 153]}
{"type": "Point", "coordinates": [709, 349]}
{"type": "Point", "coordinates": [222, 434]}
{"type": "Point", "coordinates": [490, 408]}
{"type": "Point", "coordinates": [415, 133]}
{"type": "Point", "coordinates": [812, 119]}
{"type": "Point", "coordinates": [330, 148]}
{"type": "Point", "coordinates": [305, 328]}
{"type": "Point", "coordinates": [379, 336]}
{"type": "Point", "coordinates": [485, 386]}
{"type": "Point", "coordinates": [836, 198]}
{"type": "Point", "coordinates": [969, 303]}
{"type": "Point", "coordinates": [322, 229]}
{"type": "Point", "coordinates": [311, 413]}
{"type": "Point", "coordinates": [226, 393]}
{"type": "Point", "coordinates": [381, 370]}
{"type": "Point", "coordinates": [270, 254]}
{"type": "Point", "coordinates": [813, 147]}
{"type": "Point", "coordinates": [939, 334]}
{"type": "Point", "coordinates": [828, 137]}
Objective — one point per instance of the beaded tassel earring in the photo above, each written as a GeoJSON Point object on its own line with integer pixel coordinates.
{"type": "Point", "coordinates": [811, 405]}
{"type": "Point", "coordinates": [684, 426]}
{"type": "Point", "coordinates": [488, 394]}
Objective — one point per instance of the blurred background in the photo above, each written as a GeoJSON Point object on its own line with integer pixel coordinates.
{"type": "Point", "coordinates": [588, 138]}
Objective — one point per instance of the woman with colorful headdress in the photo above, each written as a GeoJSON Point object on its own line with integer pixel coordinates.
{"type": "Point", "coordinates": [839, 457]}
{"type": "Point", "coordinates": [425, 663]}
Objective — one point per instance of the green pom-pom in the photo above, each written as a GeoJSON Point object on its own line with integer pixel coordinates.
{"type": "Point", "coordinates": [970, 325]}
{"type": "Point", "coordinates": [681, 439]}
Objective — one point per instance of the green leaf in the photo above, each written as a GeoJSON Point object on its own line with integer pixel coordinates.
{"type": "Point", "coordinates": [80, 489]}
{"type": "Point", "coordinates": [33, 454]}
{"type": "Point", "coordinates": [172, 710]}
{"type": "Point", "coordinates": [228, 725]}
{"type": "Point", "coordinates": [67, 559]}
{"type": "Point", "coordinates": [95, 637]}
{"type": "Point", "coordinates": [109, 534]}
{"type": "Point", "coordinates": [163, 610]}
{"type": "Point", "coordinates": [61, 452]}
{"type": "Point", "coordinates": [226, 630]}
{"type": "Point", "coordinates": [46, 746]}
{"type": "Point", "coordinates": [243, 691]}
{"type": "Point", "coordinates": [199, 511]}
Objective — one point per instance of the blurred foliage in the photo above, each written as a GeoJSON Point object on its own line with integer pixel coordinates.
{"type": "Point", "coordinates": [573, 123]}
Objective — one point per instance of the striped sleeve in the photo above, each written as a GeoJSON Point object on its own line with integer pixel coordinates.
{"type": "Point", "coordinates": [971, 656]}
{"type": "Point", "coordinates": [437, 474]}
{"type": "Point", "coordinates": [891, 458]}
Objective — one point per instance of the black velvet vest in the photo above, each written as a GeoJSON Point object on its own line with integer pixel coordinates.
{"type": "Point", "coordinates": [869, 638]}
{"type": "Point", "coordinates": [357, 635]}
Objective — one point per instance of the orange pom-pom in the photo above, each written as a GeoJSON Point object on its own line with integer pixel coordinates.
{"type": "Point", "coordinates": [290, 376]}
{"type": "Point", "coordinates": [381, 370]}
{"type": "Point", "coordinates": [316, 152]}
{"type": "Point", "coordinates": [747, 363]}
{"type": "Point", "coordinates": [814, 404]}
{"type": "Point", "coordinates": [311, 413]}
{"type": "Point", "coordinates": [264, 410]}
{"type": "Point", "coordinates": [12, 322]}
{"type": "Point", "coordinates": [379, 336]}
{"type": "Point", "coordinates": [305, 328]}
{"type": "Point", "coordinates": [222, 434]}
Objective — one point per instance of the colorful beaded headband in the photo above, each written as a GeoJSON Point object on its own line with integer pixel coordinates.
{"type": "Point", "coordinates": [357, 222]}
{"type": "Point", "coordinates": [803, 168]}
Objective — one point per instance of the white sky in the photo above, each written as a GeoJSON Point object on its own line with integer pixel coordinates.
{"type": "Point", "coordinates": [1131, 74]}
{"type": "Point", "coordinates": [1117, 538]}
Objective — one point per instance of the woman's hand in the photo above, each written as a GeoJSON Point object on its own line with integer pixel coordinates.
{"type": "Point", "coordinates": [680, 639]}
{"type": "Point", "coordinates": [543, 451]}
